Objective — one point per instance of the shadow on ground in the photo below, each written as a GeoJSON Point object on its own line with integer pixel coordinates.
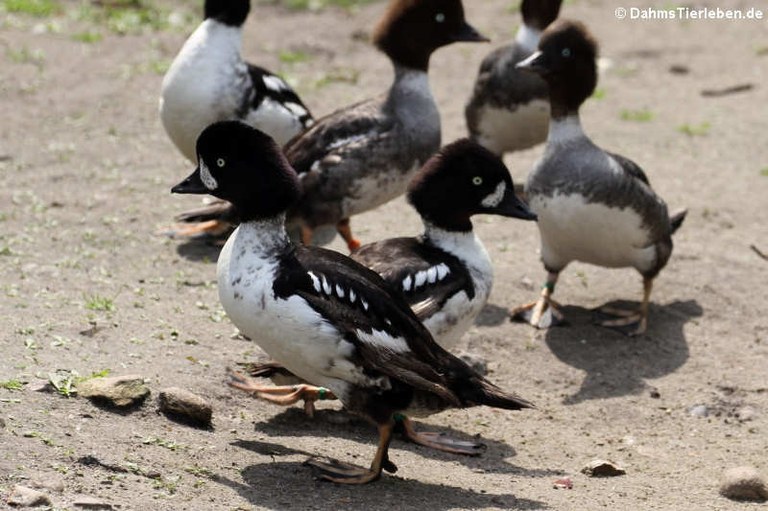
{"type": "Point", "coordinates": [291, 485]}
{"type": "Point", "coordinates": [339, 424]}
{"type": "Point", "coordinates": [199, 249]}
{"type": "Point", "coordinates": [618, 365]}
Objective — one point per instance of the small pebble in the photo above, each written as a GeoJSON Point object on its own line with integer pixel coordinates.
{"type": "Point", "coordinates": [744, 483]}
{"type": "Point", "coordinates": [86, 502]}
{"type": "Point", "coordinates": [185, 404]}
{"type": "Point", "coordinates": [602, 468]}
{"type": "Point", "coordinates": [21, 496]}
{"type": "Point", "coordinates": [654, 393]}
{"type": "Point", "coordinates": [746, 414]}
{"type": "Point", "coordinates": [699, 411]}
{"type": "Point", "coordinates": [563, 484]}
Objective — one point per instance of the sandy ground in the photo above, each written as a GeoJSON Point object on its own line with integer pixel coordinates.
{"type": "Point", "coordinates": [88, 284]}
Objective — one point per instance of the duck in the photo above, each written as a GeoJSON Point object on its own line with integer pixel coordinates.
{"type": "Point", "coordinates": [508, 110]}
{"type": "Point", "coordinates": [209, 81]}
{"type": "Point", "coordinates": [362, 156]}
{"type": "Point", "coordinates": [326, 318]}
{"type": "Point", "coordinates": [593, 206]}
{"type": "Point", "coordinates": [445, 274]}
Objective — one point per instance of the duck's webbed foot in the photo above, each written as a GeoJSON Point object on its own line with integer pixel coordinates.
{"type": "Point", "coordinates": [284, 395]}
{"type": "Point", "coordinates": [438, 441]}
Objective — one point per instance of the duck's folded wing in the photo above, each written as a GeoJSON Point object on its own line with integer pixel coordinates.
{"type": "Point", "coordinates": [332, 137]}
{"type": "Point", "coordinates": [426, 276]}
{"type": "Point", "coordinates": [630, 168]}
{"type": "Point", "coordinates": [269, 85]}
{"type": "Point", "coordinates": [386, 335]}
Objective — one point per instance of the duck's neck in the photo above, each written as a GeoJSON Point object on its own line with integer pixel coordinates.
{"type": "Point", "coordinates": [225, 38]}
{"type": "Point", "coordinates": [264, 237]}
{"type": "Point", "coordinates": [448, 239]}
{"type": "Point", "coordinates": [410, 99]}
{"type": "Point", "coordinates": [565, 129]}
{"type": "Point", "coordinates": [528, 38]}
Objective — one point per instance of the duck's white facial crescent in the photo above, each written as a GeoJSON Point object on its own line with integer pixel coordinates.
{"type": "Point", "coordinates": [205, 176]}
{"type": "Point", "coordinates": [494, 198]}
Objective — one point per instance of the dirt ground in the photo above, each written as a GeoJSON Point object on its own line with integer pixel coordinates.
{"type": "Point", "coordinates": [88, 283]}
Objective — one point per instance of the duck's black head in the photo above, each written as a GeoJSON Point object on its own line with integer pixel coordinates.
{"type": "Point", "coordinates": [567, 61]}
{"type": "Point", "coordinates": [539, 14]}
{"type": "Point", "coordinates": [461, 180]}
{"type": "Point", "coordinates": [412, 29]}
{"type": "Point", "coordinates": [229, 12]}
{"type": "Point", "coordinates": [244, 166]}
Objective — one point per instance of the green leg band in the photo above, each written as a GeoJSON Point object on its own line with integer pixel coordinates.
{"type": "Point", "coordinates": [398, 417]}
{"type": "Point", "coordinates": [321, 392]}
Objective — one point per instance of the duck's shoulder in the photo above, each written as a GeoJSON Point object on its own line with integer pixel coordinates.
{"type": "Point", "coordinates": [333, 136]}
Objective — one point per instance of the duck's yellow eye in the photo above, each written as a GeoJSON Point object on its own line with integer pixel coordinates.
{"type": "Point", "coordinates": [220, 162]}
{"type": "Point", "coordinates": [477, 180]}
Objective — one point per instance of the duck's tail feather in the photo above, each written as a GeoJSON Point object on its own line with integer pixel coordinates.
{"type": "Point", "coordinates": [486, 393]}
{"type": "Point", "coordinates": [677, 218]}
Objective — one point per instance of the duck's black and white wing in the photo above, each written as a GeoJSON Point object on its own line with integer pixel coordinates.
{"type": "Point", "coordinates": [387, 337]}
{"type": "Point", "coordinates": [426, 276]}
{"type": "Point", "coordinates": [268, 88]}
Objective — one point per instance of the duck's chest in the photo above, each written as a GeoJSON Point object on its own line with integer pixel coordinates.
{"type": "Point", "coordinates": [573, 228]}
{"type": "Point", "coordinates": [457, 315]}
{"type": "Point", "coordinates": [207, 82]}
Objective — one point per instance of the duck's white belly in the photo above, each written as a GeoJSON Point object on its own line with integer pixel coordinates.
{"type": "Point", "coordinates": [574, 230]}
{"type": "Point", "coordinates": [503, 130]}
{"type": "Point", "coordinates": [203, 85]}
{"type": "Point", "coordinates": [288, 330]}
{"type": "Point", "coordinates": [448, 325]}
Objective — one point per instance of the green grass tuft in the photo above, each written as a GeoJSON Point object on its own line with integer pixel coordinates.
{"type": "Point", "coordinates": [37, 8]}
{"type": "Point", "coordinates": [87, 37]}
{"type": "Point", "coordinates": [12, 384]}
{"type": "Point", "coordinates": [764, 172]}
{"type": "Point", "coordinates": [100, 303]}
{"type": "Point", "coordinates": [293, 57]}
{"type": "Point", "coordinates": [643, 115]}
{"type": "Point", "coordinates": [694, 130]}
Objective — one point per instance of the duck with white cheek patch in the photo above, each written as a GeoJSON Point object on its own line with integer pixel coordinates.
{"type": "Point", "coordinates": [208, 81]}
{"type": "Point", "coordinates": [364, 155]}
{"type": "Point", "coordinates": [445, 274]}
{"type": "Point", "coordinates": [326, 318]}
{"type": "Point", "coordinates": [593, 206]}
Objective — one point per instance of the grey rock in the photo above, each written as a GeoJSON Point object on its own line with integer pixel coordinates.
{"type": "Point", "coordinates": [86, 502]}
{"type": "Point", "coordinates": [602, 468]}
{"type": "Point", "coordinates": [699, 411]}
{"type": "Point", "coordinates": [744, 483]}
{"type": "Point", "coordinates": [119, 391]}
{"type": "Point", "coordinates": [185, 404]}
{"type": "Point", "coordinates": [50, 482]}
{"type": "Point", "coordinates": [21, 496]}
{"type": "Point", "coordinates": [746, 413]}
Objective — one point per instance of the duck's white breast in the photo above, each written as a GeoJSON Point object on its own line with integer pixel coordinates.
{"type": "Point", "coordinates": [573, 229]}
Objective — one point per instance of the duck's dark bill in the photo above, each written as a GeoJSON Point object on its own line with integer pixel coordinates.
{"type": "Point", "coordinates": [512, 206]}
{"type": "Point", "coordinates": [468, 33]}
{"type": "Point", "coordinates": [193, 184]}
